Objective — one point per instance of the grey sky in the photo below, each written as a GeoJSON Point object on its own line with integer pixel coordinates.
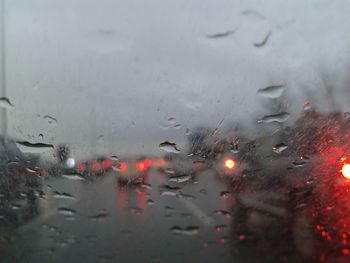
{"type": "Point", "coordinates": [136, 63]}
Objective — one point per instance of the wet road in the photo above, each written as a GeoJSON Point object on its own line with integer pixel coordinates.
{"type": "Point", "coordinates": [103, 222]}
{"type": "Point", "coordinates": [278, 215]}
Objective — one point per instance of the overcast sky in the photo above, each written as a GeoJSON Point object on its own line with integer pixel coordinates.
{"type": "Point", "coordinates": [120, 69]}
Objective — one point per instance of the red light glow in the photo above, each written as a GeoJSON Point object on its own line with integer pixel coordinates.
{"type": "Point", "coordinates": [230, 164]}
{"type": "Point", "coordinates": [147, 162]}
{"type": "Point", "coordinates": [80, 167]}
{"type": "Point", "coordinates": [106, 164]}
{"type": "Point", "coordinates": [346, 170]}
{"type": "Point", "coordinates": [95, 166]}
{"type": "Point", "coordinates": [140, 166]}
{"type": "Point", "coordinates": [123, 167]}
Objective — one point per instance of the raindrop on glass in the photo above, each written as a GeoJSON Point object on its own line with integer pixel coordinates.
{"type": "Point", "coordinates": [169, 147]}
{"type": "Point", "coordinates": [66, 211]}
{"type": "Point", "coordinates": [6, 103]}
{"type": "Point", "coordinates": [50, 120]}
{"type": "Point", "coordinates": [279, 117]}
{"type": "Point", "coordinates": [172, 120]}
{"type": "Point", "coordinates": [272, 92]}
{"type": "Point", "coordinates": [179, 178]}
{"type": "Point", "coordinates": [188, 231]}
{"type": "Point", "coordinates": [279, 148]}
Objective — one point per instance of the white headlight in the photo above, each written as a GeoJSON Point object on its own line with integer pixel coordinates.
{"type": "Point", "coordinates": [70, 162]}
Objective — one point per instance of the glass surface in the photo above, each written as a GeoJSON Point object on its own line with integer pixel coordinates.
{"type": "Point", "coordinates": [174, 131]}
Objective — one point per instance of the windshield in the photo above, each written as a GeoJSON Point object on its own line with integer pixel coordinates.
{"type": "Point", "coordinates": [168, 131]}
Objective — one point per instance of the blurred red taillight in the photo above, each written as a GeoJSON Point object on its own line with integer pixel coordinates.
{"type": "Point", "coordinates": [80, 168]}
{"type": "Point", "coordinates": [122, 167]}
{"type": "Point", "coordinates": [147, 162]}
{"type": "Point", "coordinates": [95, 166]}
{"type": "Point", "coordinates": [140, 166]}
{"type": "Point", "coordinates": [106, 164]}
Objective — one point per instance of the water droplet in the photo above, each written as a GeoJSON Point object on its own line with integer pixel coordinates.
{"type": "Point", "coordinates": [169, 208]}
{"type": "Point", "coordinates": [188, 132]}
{"type": "Point", "coordinates": [169, 171]}
{"type": "Point", "coordinates": [188, 231]}
{"type": "Point", "coordinates": [172, 120]}
{"type": "Point", "coordinates": [307, 106]}
{"type": "Point", "coordinates": [114, 158]}
{"type": "Point", "coordinates": [150, 202]}
{"type": "Point", "coordinates": [279, 148]}
{"type": "Point", "coordinates": [135, 210]}
{"type": "Point", "coordinates": [29, 145]}
{"type": "Point", "coordinates": [186, 196]}
{"type": "Point", "coordinates": [66, 211]}
{"type": "Point", "coordinates": [70, 218]}
{"type": "Point", "coordinates": [101, 138]}
{"type": "Point", "coordinates": [169, 147]}
{"type": "Point", "coordinates": [177, 126]}
{"type": "Point", "coordinates": [147, 186]}
{"type": "Point", "coordinates": [169, 187]}
{"type": "Point", "coordinates": [73, 177]}
{"type": "Point", "coordinates": [41, 136]}
{"type": "Point", "coordinates": [12, 163]}
{"type": "Point", "coordinates": [29, 170]}
{"type": "Point", "coordinates": [180, 178]}
{"type": "Point", "coordinates": [234, 147]}
{"type": "Point", "coordinates": [23, 194]}
{"type": "Point", "coordinates": [301, 161]}
{"type": "Point", "coordinates": [63, 195]}
{"type": "Point", "coordinates": [215, 131]}
{"type": "Point", "coordinates": [346, 115]}
{"type": "Point", "coordinates": [221, 34]}
{"type": "Point", "coordinates": [50, 120]}
{"type": "Point", "coordinates": [222, 212]}
{"type": "Point", "coordinates": [279, 117]}
{"type": "Point", "coordinates": [54, 229]}
{"type": "Point", "coordinates": [272, 92]}
{"type": "Point", "coordinates": [100, 217]}
{"type": "Point", "coordinates": [203, 191]}
{"type": "Point", "coordinates": [5, 103]}
{"type": "Point", "coordinates": [225, 194]}
{"type": "Point", "coordinates": [168, 193]}
{"type": "Point", "coordinates": [15, 206]}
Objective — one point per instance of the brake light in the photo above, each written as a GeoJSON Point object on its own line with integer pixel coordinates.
{"type": "Point", "coordinates": [230, 164]}
{"type": "Point", "coordinates": [106, 164]}
{"type": "Point", "coordinates": [80, 167]}
{"type": "Point", "coordinates": [123, 167]}
{"type": "Point", "coordinates": [346, 170]}
{"type": "Point", "coordinates": [147, 162]}
{"type": "Point", "coordinates": [141, 166]}
{"type": "Point", "coordinates": [95, 166]}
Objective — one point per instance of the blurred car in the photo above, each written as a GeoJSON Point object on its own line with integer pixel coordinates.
{"type": "Point", "coordinates": [304, 188]}
{"type": "Point", "coordinates": [20, 184]}
{"type": "Point", "coordinates": [95, 167]}
{"type": "Point", "coordinates": [132, 171]}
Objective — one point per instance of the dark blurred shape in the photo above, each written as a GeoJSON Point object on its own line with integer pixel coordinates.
{"type": "Point", "coordinates": [222, 34]}
{"type": "Point", "coordinates": [264, 41]}
{"type": "Point", "coordinates": [63, 152]}
{"type": "Point", "coordinates": [20, 184]}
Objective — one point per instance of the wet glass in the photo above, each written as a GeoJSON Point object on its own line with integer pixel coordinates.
{"type": "Point", "coordinates": [174, 131]}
